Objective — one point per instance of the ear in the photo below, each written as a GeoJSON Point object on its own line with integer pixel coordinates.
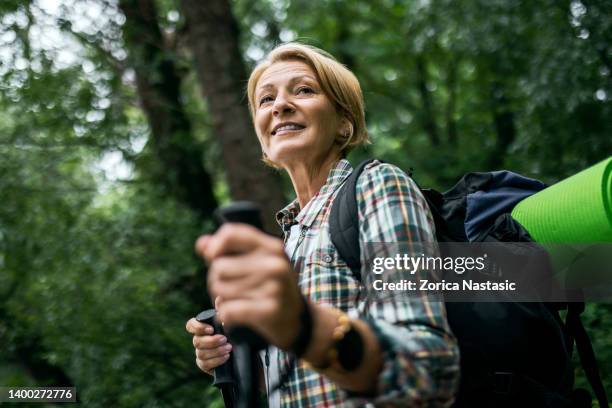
{"type": "Point", "coordinates": [344, 127]}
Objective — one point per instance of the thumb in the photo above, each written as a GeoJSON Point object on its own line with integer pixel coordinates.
{"type": "Point", "coordinates": [218, 301]}
{"type": "Point", "coordinates": [201, 244]}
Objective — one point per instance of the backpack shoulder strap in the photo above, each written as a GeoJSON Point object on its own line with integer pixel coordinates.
{"type": "Point", "coordinates": [344, 221]}
{"type": "Point", "coordinates": [585, 351]}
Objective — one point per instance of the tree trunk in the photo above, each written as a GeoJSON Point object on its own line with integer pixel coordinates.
{"type": "Point", "coordinates": [28, 352]}
{"type": "Point", "coordinates": [29, 357]}
{"type": "Point", "coordinates": [503, 119]}
{"type": "Point", "coordinates": [343, 35]}
{"type": "Point", "coordinates": [451, 123]}
{"type": "Point", "coordinates": [213, 37]}
{"type": "Point", "coordinates": [182, 173]}
{"type": "Point", "coordinates": [429, 122]}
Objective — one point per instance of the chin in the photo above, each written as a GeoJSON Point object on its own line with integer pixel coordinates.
{"type": "Point", "coordinates": [289, 150]}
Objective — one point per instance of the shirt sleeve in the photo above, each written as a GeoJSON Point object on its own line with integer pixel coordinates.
{"type": "Point", "coordinates": [420, 355]}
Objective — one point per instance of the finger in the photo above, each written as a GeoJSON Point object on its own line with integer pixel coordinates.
{"type": "Point", "coordinates": [201, 244]}
{"type": "Point", "coordinates": [198, 328]}
{"type": "Point", "coordinates": [209, 342]}
{"type": "Point", "coordinates": [236, 238]}
{"type": "Point", "coordinates": [247, 271]}
{"type": "Point", "coordinates": [246, 289]}
{"type": "Point", "coordinates": [211, 364]}
{"type": "Point", "coordinates": [247, 312]}
{"type": "Point", "coordinates": [200, 365]}
{"type": "Point", "coordinates": [218, 303]}
{"type": "Point", "coordinates": [213, 353]}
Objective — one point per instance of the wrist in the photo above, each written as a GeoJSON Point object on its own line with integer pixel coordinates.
{"type": "Point", "coordinates": [304, 333]}
{"type": "Point", "coordinates": [329, 330]}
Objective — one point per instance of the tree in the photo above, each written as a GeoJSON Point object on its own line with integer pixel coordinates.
{"type": "Point", "coordinates": [159, 89]}
{"type": "Point", "coordinates": [213, 37]}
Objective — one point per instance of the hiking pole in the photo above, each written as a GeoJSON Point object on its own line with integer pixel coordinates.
{"type": "Point", "coordinates": [246, 342]}
{"type": "Point", "coordinates": [223, 374]}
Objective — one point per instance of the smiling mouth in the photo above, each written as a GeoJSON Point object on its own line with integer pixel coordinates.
{"type": "Point", "coordinates": [287, 128]}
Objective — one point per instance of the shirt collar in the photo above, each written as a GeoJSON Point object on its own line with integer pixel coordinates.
{"type": "Point", "coordinates": [292, 214]}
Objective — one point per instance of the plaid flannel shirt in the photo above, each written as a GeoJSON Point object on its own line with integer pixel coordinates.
{"type": "Point", "coordinates": [419, 353]}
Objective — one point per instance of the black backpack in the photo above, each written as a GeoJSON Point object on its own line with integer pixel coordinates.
{"type": "Point", "coordinates": [512, 354]}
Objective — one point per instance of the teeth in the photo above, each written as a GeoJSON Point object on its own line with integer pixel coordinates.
{"type": "Point", "coordinates": [288, 127]}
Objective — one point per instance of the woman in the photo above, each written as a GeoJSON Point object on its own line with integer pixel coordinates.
{"type": "Point", "coordinates": [300, 295]}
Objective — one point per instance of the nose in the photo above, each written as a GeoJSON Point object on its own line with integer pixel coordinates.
{"type": "Point", "coordinates": [282, 105]}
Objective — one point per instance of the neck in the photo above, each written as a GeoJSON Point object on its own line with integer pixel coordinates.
{"type": "Point", "coordinates": [308, 178]}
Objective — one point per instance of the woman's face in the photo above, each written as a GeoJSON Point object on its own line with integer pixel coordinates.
{"type": "Point", "coordinates": [295, 121]}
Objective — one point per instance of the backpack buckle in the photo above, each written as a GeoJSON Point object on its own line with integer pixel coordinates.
{"type": "Point", "coordinates": [503, 382]}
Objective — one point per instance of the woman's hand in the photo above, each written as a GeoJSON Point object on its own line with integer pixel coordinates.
{"type": "Point", "coordinates": [211, 350]}
{"type": "Point", "coordinates": [250, 273]}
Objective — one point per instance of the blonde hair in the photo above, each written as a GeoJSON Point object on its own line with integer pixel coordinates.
{"type": "Point", "coordinates": [337, 82]}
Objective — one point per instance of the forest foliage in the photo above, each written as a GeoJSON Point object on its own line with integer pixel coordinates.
{"type": "Point", "coordinates": [123, 124]}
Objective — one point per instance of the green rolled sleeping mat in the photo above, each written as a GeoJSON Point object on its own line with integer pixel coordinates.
{"type": "Point", "coordinates": [577, 209]}
{"type": "Point", "coordinates": [572, 219]}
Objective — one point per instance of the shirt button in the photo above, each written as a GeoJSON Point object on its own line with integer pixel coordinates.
{"type": "Point", "coordinates": [327, 258]}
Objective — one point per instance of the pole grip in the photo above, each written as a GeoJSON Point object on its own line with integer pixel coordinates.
{"type": "Point", "coordinates": [223, 374]}
{"type": "Point", "coordinates": [246, 342]}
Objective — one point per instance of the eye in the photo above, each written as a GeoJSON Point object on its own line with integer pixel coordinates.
{"type": "Point", "coordinates": [305, 90]}
{"type": "Point", "coordinates": [265, 99]}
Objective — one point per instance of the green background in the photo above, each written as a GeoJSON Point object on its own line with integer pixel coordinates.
{"type": "Point", "coordinates": [97, 272]}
